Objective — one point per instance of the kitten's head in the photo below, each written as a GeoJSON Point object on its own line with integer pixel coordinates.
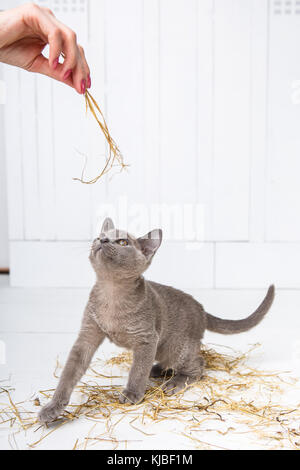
{"type": "Point", "coordinates": [117, 254]}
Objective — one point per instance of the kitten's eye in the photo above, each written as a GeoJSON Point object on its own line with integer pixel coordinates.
{"type": "Point", "coordinates": [122, 242]}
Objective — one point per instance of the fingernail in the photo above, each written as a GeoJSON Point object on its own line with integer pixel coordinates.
{"type": "Point", "coordinates": [67, 74]}
{"type": "Point", "coordinates": [55, 63]}
{"type": "Point", "coordinates": [89, 82]}
{"type": "Point", "coordinates": [83, 86]}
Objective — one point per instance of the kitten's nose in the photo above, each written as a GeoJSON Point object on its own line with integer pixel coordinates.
{"type": "Point", "coordinates": [104, 240]}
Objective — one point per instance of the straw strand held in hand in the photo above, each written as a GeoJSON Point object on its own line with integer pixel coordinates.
{"type": "Point", "coordinates": [115, 157]}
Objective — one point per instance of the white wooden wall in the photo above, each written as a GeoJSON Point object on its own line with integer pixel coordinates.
{"type": "Point", "coordinates": [199, 96]}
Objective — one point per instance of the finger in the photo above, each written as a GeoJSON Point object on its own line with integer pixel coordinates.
{"type": "Point", "coordinates": [48, 11]}
{"type": "Point", "coordinates": [73, 71]}
{"type": "Point", "coordinates": [80, 74]}
{"type": "Point", "coordinates": [40, 21]}
{"type": "Point", "coordinates": [71, 52]}
{"type": "Point", "coordinates": [79, 77]}
{"type": "Point", "coordinates": [85, 67]}
{"type": "Point", "coordinates": [41, 65]}
{"type": "Point", "coordinates": [56, 45]}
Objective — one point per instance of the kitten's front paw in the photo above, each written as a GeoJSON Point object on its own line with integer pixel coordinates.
{"type": "Point", "coordinates": [130, 397]}
{"type": "Point", "coordinates": [50, 412]}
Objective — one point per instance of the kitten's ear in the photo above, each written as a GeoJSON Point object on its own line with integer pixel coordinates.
{"type": "Point", "coordinates": [107, 225]}
{"type": "Point", "coordinates": [151, 242]}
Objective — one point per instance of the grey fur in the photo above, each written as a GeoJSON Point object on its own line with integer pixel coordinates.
{"type": "Point", "coordinates": [157, 322]}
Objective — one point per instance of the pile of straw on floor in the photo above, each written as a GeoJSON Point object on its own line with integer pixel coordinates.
{"type": "Point", "coordinates": [232, 398]}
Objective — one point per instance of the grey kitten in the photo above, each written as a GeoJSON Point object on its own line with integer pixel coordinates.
{"type": "Point", "coordinates": [158, 323]}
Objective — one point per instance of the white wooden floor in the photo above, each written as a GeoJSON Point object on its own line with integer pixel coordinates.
{"type": "Point", "coordinates": [38, 325]}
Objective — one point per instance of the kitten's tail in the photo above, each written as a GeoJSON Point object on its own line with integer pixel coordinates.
{"type": "Point", "coordinates": [229, 327]}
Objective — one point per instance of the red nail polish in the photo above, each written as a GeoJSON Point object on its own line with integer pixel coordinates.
{"type": "Point", "coordinates": [67, 74]}
{"type": "Point", "coordinates": [55, 63]}
{"type": "Point", "coordinates": [89, 82]}
{"type": "Point", "coordinates": [83, 86]}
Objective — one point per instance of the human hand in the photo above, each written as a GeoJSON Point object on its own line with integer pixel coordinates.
{"type": "Point", "coordinates": [24, 33]}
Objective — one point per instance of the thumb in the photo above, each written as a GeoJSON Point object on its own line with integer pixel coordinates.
{"type": "Point", "coordinates": [41, 65]}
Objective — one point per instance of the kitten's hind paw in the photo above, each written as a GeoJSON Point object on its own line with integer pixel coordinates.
{"type": "Point", "coordinates": [175, 385]}
{"type": "Point", "coordinates": [127, 396]}
{"type": "Point", "coordinates": [157, 371]}
{"type": "Point", "coordinates": [50, 412]}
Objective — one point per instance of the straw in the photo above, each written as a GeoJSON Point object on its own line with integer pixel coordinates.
{"type": "Point", "coordinates": [232, 398]}
{"type": "Point", "coordinates": [115, 157]}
